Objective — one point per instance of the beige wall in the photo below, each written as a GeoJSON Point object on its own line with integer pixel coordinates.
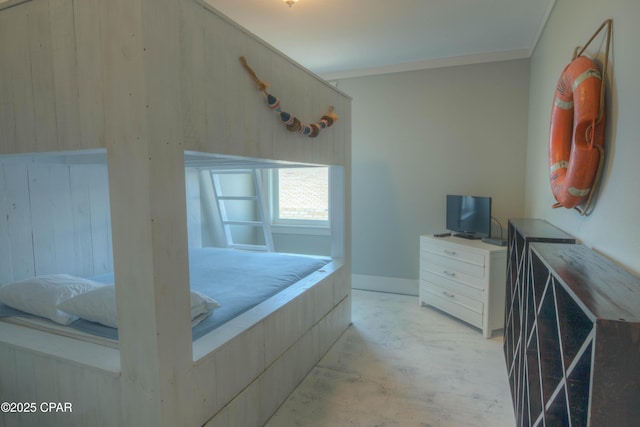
{"type": "Point", "coordinates": [422, 134]}
{"type": "Point", "coordinates": [613, 227]}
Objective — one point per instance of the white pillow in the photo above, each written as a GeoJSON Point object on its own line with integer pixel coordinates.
{"type": "Point", "coordinates": [202, 304]}
{"type": "Point", "coordinates": [99, 306]}
{"type": "Point", "coordinates": [41, 295]}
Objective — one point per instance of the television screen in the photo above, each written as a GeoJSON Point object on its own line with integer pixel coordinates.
{"type": "Point", "coordinates": [470, 216]}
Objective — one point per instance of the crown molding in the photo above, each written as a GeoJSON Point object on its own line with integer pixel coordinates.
{"type": "Point", "coordinates": [453, 61]}
{"type": "Point", "coordinates": [6, 4]}
{"type": "Point", "coordinates": [506, 55]}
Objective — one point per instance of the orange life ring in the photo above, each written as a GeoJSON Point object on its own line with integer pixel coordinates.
{"type": "Point", "coordinates": [575, 133]}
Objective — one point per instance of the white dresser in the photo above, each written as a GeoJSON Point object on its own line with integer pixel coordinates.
{"type": "Point", "coordinates": [465, 278]}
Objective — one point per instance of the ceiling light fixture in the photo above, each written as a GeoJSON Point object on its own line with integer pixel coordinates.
{"type": "Point", "coordinates": [290, 2]}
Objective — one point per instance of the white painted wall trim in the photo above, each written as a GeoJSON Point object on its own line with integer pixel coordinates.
{"type": "Point", "coordinates": [507, 55]}
{"type": "Point", "coordinates": [393, 285]}
{"type": "Point", "coordinates": [6, 4]}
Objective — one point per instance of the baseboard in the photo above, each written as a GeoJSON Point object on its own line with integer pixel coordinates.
{"type": "Point", "coordinates": [385, 284]}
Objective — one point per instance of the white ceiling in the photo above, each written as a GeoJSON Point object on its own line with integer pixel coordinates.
{"type": "Point", "coordinates": [343, 38]}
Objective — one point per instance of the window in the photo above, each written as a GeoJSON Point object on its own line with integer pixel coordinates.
{"type": "Point", "coordinates": [300, 197]}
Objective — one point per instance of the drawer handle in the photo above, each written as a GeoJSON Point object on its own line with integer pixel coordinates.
{"type": "Point", "coordinates": [450, 274]}
{"type": "Point", "coordinates": [448, 294]}
{"type": "Point", "coordinates": [449, 252]}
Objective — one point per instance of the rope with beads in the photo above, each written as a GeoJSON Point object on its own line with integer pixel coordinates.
{"type": "Point", "coordinates": [292, 123]}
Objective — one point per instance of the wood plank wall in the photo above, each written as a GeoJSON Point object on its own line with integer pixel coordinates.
{"type": "Point", "coordinates": [51, 77]}
{"type": "Point", "coordinates": [54, 218]}
{"type": "Point", "coordinates": [147, 80]}
{"type": "Point", "coordinates": [54, 86]}
{"type": "Point", "coordinates": [222, 110]}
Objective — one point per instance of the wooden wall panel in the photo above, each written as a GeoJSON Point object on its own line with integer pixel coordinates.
{"type": "Point", "coordinates": [27, 376]}
{"type": "Point", "coordinates": [192, 33]}
{"type": "Point", "coordinates": [8, 382]}
{"type": "Point", "coordinates": [242, 411]}
{"type": "Point", "coordinates": [236, 116]}
{"type": "Point", "coordinates": [65, 74]}
{"type": "Point", "coordinates": [6, 267]}
{"type": "Point", "coordinates": [7, 116]}
{"type": "Point", "coordinates": [61, 64]}
{"type": "Point", "coordinates": [213, 88]}
{"type": "Point", "coordinates": [18, 105]}
{"type": "Point", "coordinates": [285, 326]}
{"type": "Point", "coordinates": [90, 72]}
{"type": "Point", "coordinates": [18, 222]}
{"type": "Point", "coordinates": [80, 187]}
{"type": "Point", "coordinates": [55, 219]}
{"type": "Point", "coordinates": [194, 208]}
{"type": "Point", "coordinates": [91, 217]}
{"type": "Point", "coordinates": [51, 219]}
{"type": "Point", "coordinates": [262, 397]}
{"type": "Point", "coordinates": [100, 214]}
{"type": "Point", "coordinates": [147, 192]}
{"type": "Point", "coordinates": [238, 363]}
{"type": "Point", "coordinates": [51, 91]}
{"type": "Point", "coordinates": [41, 57]}
{"type": "Point", "coordinates": [103, 73]}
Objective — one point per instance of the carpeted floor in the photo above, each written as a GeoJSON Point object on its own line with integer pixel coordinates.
{"type": "Point", "coordinates": [400, 364]}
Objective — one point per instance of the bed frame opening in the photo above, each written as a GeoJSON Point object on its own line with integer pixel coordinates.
{"type": "Point", "coordinates": [56, 219]}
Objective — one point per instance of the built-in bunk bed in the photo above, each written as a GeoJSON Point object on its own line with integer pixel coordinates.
{"type": "Point", "coordinates": [127, 103]}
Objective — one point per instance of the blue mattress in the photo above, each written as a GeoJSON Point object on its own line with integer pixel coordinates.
{"type": "Point", "coordinates": [238, 280]}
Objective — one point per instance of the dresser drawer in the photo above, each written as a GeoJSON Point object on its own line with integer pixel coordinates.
{"type": "Point", "coordinates": [453, 303]}
{"type": "Point", "coordinates": [454, 282]}
{"type": "Point", "coordinates": [465, 278]}
{"type": "Point", "coordinates": [454, 252]}
{"type": "Point", "coordinates": [438, 263]}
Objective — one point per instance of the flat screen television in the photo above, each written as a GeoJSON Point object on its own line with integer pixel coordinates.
{"type": "Point", "coordinates": [469, 216]}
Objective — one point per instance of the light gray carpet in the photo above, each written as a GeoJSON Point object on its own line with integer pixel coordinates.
{"type": "Point", "coordinates": [400, 364]}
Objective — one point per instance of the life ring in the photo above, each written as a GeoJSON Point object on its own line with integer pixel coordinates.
{"type": "Point", "coordinates": [576, 136]}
